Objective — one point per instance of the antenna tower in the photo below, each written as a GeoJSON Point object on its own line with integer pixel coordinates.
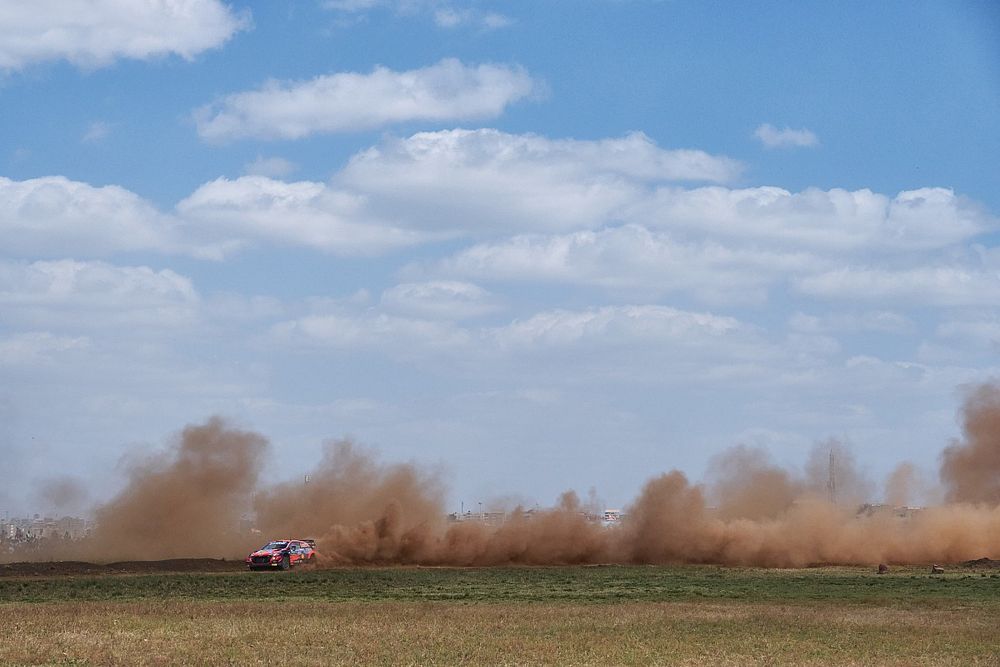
{"type": "Point", "coordinates": [831, 482]}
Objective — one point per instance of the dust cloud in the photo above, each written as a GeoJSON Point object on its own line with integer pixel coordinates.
{"type": "Point", "coordinates": [747, 485]}
{"type": "Point", "coordinates": [364, 511]}
{"type": "Point", "coordinates": [750, 511]}
{"type": "Point", "coordinates": [61, 493]}
{"type": "Point", "coordinates": [185, 502]}
{"type": "Point", "coordinates": [970, 470]}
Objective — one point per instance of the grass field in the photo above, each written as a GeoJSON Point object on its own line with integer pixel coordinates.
{"type": "Point", "coordinates": [562, 615]}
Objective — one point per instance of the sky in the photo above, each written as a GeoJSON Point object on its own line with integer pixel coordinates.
{"type": "Point", "coordinates": [532, 245]}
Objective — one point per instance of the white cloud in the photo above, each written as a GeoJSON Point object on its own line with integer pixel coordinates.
{"type": "Point", "coordinates": [540, 210]}
{"type": "Point", "coordinates": [230, 214]}
{"type": "Point", "coordinates": [272, 167]}
{"type": "Point", "coordinates": [450, 17]}
{"type": "Point", "coordinates": [445, 14]}
{"type": "Point", "coordinates": [352, 5]}
{"type": "Point", "coordinates": [439, 299]}
{"type": "Point", "coordinates": [630, 343]}
{"type": "Point", "coordinates": [351, 101]}
{"type": "Point", "coordinates": [54, 216]}
{"type": "Point", "coordinates": [929, 286]}
{"type": "Point", "coordinates": [881, 321]}
{"type": "Point", "coordinates": [399, 336]}
{"type": "Point", "coordinates": [828, 220]}
{"type": "Point", "coordinates": [35, 347]}
{"type": "Point", "coordinates": [94, 295]}
{"type": "Point", "coordinates": [984, 329]}
{"type": "Point", "coordinates": [615, 325]}
{"type": "Point", "coordinates": [96, 132]}
{"type": "Point", "coordinates": [493, 20]}
{"type": "Point", "coordinates": [97, 32]}
{"type": "Point", "coordinates": [635, 259]}
{"type": "Point", "coordinates": [486, 179]}
{"type": "Point", "coordinates": [772, 137]}
{"type": "Point", "coordinates": [621, 341]}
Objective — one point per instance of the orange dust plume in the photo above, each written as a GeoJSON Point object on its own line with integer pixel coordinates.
{"type": "Point", "coordinates": [746, 485]}
{"type": "Point", "coordinates": [970, 470]}
{"type": "Point", "coordinates": [359, 509]}
{"type": "Point", "coordinates": [189, 502]}
{"type": "Point", "coordinates": [61, 493]}
{"type": "Point", "coordinates": [186, 502]}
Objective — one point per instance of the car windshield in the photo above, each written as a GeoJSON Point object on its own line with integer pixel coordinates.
{"type": "Point", "coordinates": [274, 545]}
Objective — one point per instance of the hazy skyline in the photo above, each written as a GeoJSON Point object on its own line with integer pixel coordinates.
{"type": "Point", "coordinates": [537, 245]}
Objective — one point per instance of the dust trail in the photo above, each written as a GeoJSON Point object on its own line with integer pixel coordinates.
{"type": "Point", "coordinates": [363, 511]}
{"type": "Point", "coordinates": [970, 470]}
{"type": "Point", "coordinates": [61, 493]}
{"type": "Point", "coordinates": [901, 485]}
{"type": "Point", "coordinates": [746, 485]}
{"type": "Point", "coordinates": [187, 503]}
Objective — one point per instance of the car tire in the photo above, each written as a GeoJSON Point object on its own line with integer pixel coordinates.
{"type": "Point", "coordinates": [286, 563]}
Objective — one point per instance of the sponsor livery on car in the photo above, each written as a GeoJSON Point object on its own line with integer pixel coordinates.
{"type": "Point", "coordinates": [282, 555]}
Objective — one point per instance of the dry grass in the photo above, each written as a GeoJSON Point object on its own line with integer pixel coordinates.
{"type": "Point", "coordinates": [309, 632]}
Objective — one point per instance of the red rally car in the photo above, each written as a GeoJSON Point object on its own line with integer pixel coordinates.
{"type": "Point", "coordinates": [282, 554]}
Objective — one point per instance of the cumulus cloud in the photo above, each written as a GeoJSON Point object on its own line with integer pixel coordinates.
{"type": "Point", "coordinates": [880, 321]}
{"type": "Point", "coordinates": [836, 219]}
{"type": "Point", "coordinates": [231, 214]}
{"type": "Point", "coordinates": [54, 216]}
{"type": "Point", "coordinates": [272, 167]}
{"type": "Point", "coordinates": [98, 32]}
{"type": "Point", "coordinates": [772, 137]}
{"type": "Point", "coordinates": [35, 347]}
{"type": "Point", "coordinates": [94, 295]}
{"type": "Point", "coordinates": [616, 325]}
{"type": "Point", "coordinates": [439, 299]}
{"type": "Point", "coordinates": [599, 213]}
{"type": "Point", "coordinates": [925, 285]}
{"type": "Point", "coordinates": [387, 333]}
{"type": "Point", "coordinates": [614, 338]}
{"type": "Point", "coordinates": [632, 258]}
{"type": "Point", "coordinates": [352, 101]}
{"type": "Point", "coordinates": [487, 179]}
{"type": "Point", "coordinates": [983, 329]}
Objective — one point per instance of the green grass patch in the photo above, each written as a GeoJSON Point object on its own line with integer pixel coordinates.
{"type": "Point", "coordinates": [590, 585]}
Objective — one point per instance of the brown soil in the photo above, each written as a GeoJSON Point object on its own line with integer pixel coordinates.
{"type": "Point", "coordinates": [57, 568]}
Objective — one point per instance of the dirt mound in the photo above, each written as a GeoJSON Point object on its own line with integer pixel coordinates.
{"type": "Point", "coordinates": [68, 568]}
{"type": "Point", "coordinates": [983, 563]}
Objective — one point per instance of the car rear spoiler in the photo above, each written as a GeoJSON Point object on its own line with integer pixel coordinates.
{"type": "Point", "coordinates": [311, 543]}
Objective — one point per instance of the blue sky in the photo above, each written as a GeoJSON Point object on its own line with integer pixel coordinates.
{"type": "Point", "coordinates": [540, 245]}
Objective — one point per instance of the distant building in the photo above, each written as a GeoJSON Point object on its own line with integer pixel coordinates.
{"type": "Point", "coordinates": [900, 511]}
{"type": "Point", "coordinates": [29, 530]}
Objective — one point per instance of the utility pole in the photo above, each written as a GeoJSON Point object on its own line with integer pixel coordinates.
{"type": "Point", "coordinates": [831, 482]}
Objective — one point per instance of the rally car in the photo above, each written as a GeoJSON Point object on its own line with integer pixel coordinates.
{"type": "Point", "coordinates": [282, 554]}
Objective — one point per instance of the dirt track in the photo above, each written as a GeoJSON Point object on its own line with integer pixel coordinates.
{"type": "Point", "coordinates": [68, 568]}
{"type": "Point", "coordinates": [209, 565]}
